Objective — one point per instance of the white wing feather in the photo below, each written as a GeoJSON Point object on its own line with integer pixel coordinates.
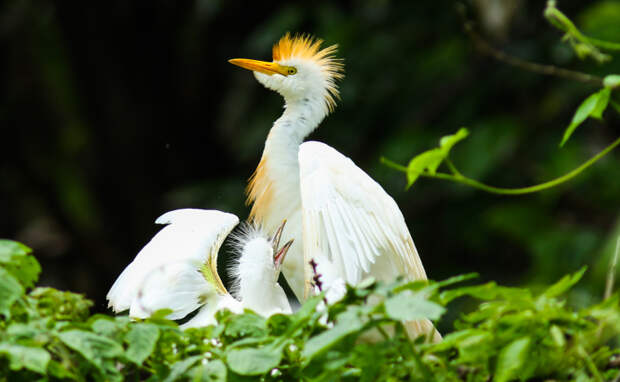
{"type": "Point", "coordinates": [178, 286]}
{"type": "Point", "coordinates": [348, 217]}
{"type": "Point", "coordinates": [190, 235]}
{"type": "Point", "coordinates": [206, 314]}
{"type": "Point", "coordinates": [351, 220]}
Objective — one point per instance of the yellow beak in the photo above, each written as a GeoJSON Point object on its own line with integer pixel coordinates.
{"type": "Point", "coordinates": [265, 67]}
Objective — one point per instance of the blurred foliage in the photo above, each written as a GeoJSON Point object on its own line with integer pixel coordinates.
{"type": "Point", "coordinates": [512, 334]}
{"type": "Point", "coordinates": [113, 113]}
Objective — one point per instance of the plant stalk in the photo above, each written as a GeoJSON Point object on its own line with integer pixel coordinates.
{"type": "Point", "coordinates": [457, 177]}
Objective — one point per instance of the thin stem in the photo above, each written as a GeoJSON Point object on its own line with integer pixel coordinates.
{"type": "Point", "coordinates": [590, 364]}
{"type": "Point", "coordinates": [393, 164]}
{"type": "Point", "coordinates": [458, 178]}
{"type": "Point", "coordinates": [530, 189]}
{"type": "Point", "coordinates": [560, 21]}
{"type": "Point", "coordinates": [611, 274]}
{"type": "Point", "coordinates": [550, 70]}
{"type": "Point", "coordinates": [603, 44]}
{"type": "Point", "coordinates": [452, 167]}
{"type": "Point", "coordinates": [383, 332]}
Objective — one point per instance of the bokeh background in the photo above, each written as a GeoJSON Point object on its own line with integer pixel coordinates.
{"type": "Point", "coordinates": [114, 112]}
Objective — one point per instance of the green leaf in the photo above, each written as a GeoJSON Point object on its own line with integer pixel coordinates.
{"type": "Point", "coordinates": [557, 336]}
{"type": "Point", "coordinates": [180, 367]}
{"type": "Point", "coordinates": [583, 111]}
{"type": "Point", "coordinates": [10, 248]}
{"type": "Point", "coordinates": [254, 361]}
{"type": "Point", "coordinates": [564, 284]}
{"type": "Point", "coordinates": [430, 160]}
{"type": "Point", "coordinates": [141, 339]}
{"type": "Point", "coordinates": [26, 357]}
{"type": "Point", "coordinates": [17, 331]}
{"type": "Point", "coordinates": [511, 360]}
{"type": "Point", "coordinates": [474, 345]}
{"type": "Point", "coordinates": [457, 279]}
{"type": "Point", "coordinates": [410, 306]}
{"type": "Point", "coordinates": [347, 323]}
{"type": "Point", "coordinates": [488, 291]}
{"type": "Point", "coordinates": [246, 325]}
{"type": "Point", "coordinates": [92, 346]}
{"type": "Point", "coordinates": [107, 327]}
{"type": "Point", "coordinates": [27, 271]}
{"type": "Point", "coordinates": [10, 291]}
{"type": "Point", "coordinates": [601, 104]}
{"type": "Point", "coordinates": [279, 324]}
{"type": "Point", "coordinates": [611, 81]}
{"type": "Point", "coordinates": [212, 371]}
{"type": "Point", "coordinates": [160, 315]}
{"type": "Point", "coordinates": [307, 309]}
{"type": "Point", "coordinates": [60, 371]}
{"type": "Point", "coordinates": [447, 142]}
{"type": "Point", "coordinates": [60, 305]}
{"type": "Point", "coordinates": [16, 259]}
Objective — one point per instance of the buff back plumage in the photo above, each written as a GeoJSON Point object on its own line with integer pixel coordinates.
{"type": "Point", "coordinates": [306, 47]}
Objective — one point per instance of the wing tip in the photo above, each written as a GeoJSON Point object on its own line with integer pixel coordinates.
{"type": "Point", "coordinates": [196, 215]}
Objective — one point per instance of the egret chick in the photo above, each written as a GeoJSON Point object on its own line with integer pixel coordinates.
{"type": "Point", "coordinates": [177, 270]}
{"type": "Point", "coordinates": [257, 270]}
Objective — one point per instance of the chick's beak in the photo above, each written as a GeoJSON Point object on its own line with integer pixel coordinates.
{"type": "Point", "coordinates": [279, 253]}
{"type": "Point", "coordinates": [278, 258]}
{"type": "Point", "coordinates": [265, 67]}
{"type": "Point", "coordinates": [275, 240]}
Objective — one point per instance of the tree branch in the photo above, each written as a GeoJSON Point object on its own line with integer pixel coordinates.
{"type": "Point", "coordinates": [550, 70]}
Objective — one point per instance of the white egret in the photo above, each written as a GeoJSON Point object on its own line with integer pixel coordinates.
{"type": "Point", "coordinates": [333, 208]}
{"type": "Point", "coordinates": [177, 270]}
{"type": "Point", "coordinates": [257, 271]}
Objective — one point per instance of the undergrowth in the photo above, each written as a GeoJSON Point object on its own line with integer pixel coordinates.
{"type": "Point", "coordinates": [512, 334]}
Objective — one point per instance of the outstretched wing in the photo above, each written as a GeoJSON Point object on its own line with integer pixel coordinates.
{"type": "Point", "coordinates": [349, 218]}
{"type": "Point", "coordinates": [178, 286]}
{"type": "Point", "coordinates": [192, 236]}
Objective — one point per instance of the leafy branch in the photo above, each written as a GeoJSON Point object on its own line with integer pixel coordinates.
{"type": "Point", "coordinates": [583, 45]}
{"type": "Point", "coordinates": [427, 163]}
{"type": "Point", "coordinates": [511, 333]}
{"type": "Point", "coordinates": [549, 70]}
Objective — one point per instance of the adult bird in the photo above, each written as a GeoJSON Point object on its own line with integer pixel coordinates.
{"type": "Point", "coordinates": [333, 208]}
{"type": "Point", "coordinates": [177, 270]}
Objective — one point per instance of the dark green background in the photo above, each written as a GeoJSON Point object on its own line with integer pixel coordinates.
{"type": "Point", "coordinates": [115, 112]}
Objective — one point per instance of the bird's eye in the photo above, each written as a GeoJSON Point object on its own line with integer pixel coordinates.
{"type": "Point", "coordinates": [292, 70]}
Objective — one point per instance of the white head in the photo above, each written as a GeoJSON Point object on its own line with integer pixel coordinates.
{"type": "Point", "coordinates": [257, 270]}
{"type": "Point", "coordinates": [300, 71]}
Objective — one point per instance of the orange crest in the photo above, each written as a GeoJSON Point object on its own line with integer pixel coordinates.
{"type": "Point", "coordinates": [309, 48]}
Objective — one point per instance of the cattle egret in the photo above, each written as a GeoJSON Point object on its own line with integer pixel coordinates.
{"type": "Point", "coordinates": [333, 208]}
{"type": "Point", "coordinates": [257, 270]}
{"type": "Point", "coordinates": [177, 270]}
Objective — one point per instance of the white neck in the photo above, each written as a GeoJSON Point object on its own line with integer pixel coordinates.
{"type": "Point", "coordinates": [300, 118]}
{"type": "Point", "coordinates": [275, 189]}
